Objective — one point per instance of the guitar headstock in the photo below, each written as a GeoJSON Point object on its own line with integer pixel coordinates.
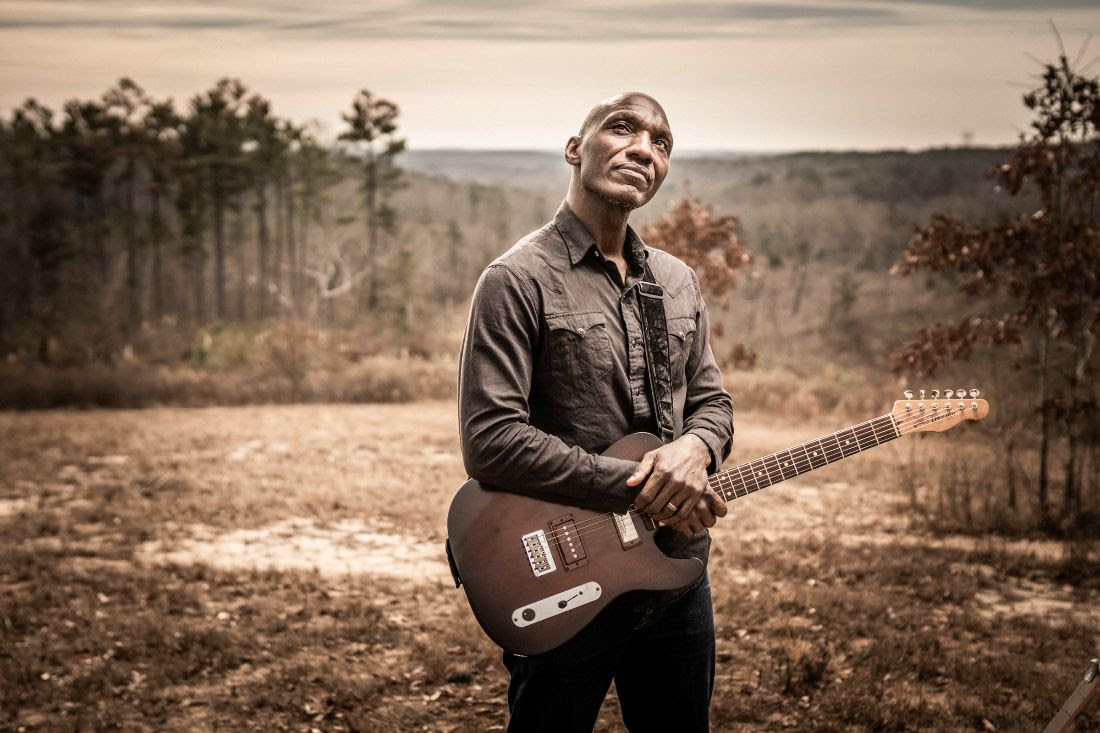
{"type": "Point", "coordinates": [936, 413]}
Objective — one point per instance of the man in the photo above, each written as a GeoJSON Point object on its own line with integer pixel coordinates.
{"type": "Point", "coordinates": [552, 371]}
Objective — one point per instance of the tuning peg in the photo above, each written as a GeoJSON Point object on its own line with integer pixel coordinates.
{"type": "Point", "coordinates": [949, 393]}
{"type": "Point", "coordinates": [908, 394]}
{"type": "Point", "coordinates": [960, 393]}
{"type": "Point", "coordinates": [973, 393]}
{"type": "Point", "coordinates": [935, 394]}
{"type": "Point", "coordinates": [922, 394]}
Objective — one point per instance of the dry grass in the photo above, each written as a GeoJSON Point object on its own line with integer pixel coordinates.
{"type": "Point", "coordinates": [833, 611]}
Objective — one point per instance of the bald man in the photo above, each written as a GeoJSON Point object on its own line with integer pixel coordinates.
{"type": "Point", "coordinates": [552, 371]}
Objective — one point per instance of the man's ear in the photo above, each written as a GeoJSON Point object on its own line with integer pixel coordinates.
{"type": "Point", "coordinates": [572, 151]}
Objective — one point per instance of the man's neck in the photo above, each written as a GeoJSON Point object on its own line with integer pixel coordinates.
{"type": "Point", "coordinates": [605, 221]}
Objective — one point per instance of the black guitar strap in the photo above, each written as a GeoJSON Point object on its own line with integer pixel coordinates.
{"type": "Point", "coordinates": [658, 366]}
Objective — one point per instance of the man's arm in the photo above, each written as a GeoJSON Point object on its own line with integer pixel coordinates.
{"type": "Point", "coordinates": [499, 445]}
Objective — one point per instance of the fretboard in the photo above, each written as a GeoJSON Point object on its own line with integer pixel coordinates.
{"type": "Point", "coordinates": [771, 469]}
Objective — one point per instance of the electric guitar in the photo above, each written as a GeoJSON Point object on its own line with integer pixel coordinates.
{"type": "Point", "coordinates": [536, 572]}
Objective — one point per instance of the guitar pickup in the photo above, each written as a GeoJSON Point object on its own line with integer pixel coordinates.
{"type": "Point", "coordinates": [564, 531]}
{"type": "Point", "coordinates": [628, 531]}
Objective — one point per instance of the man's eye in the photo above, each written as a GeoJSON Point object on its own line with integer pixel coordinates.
{"type": "Point", "coordinates": [620, 126]}
{"type": "Point", "coordinates": [662, 143]}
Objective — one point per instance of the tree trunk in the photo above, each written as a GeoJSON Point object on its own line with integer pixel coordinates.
{"type": "Point", "coordinates": [156, 232]}
{"type": "Point", "coordinates": [1044, 427]}
{"type": "Point", "coordinates": [129, 214]}
{"type": "Point", "coordinates": [219, 253]}
{"type": "Point", "coordinates": [264, 243]}
{"type": "Point", "coordinates": [372, 231]}
{"type": "Point", "coordinates": [242, 265]}
{"type": "Point", "coordinates": [291, 247]}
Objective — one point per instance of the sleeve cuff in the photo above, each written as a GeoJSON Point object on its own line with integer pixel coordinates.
{"type": "Point", "coordinates": [609, 491]}
{"type": "Point", "coordinates": [714, 445]}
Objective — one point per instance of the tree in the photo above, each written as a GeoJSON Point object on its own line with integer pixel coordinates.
{"type": "Point", "coordinates": [218, 134]}
{"type": "Point", "coordinates": [372, 129]}
{"type": "Point", "coordinates": [708, 243]}
{"type": "Point", "coordinates": [1034, 274]}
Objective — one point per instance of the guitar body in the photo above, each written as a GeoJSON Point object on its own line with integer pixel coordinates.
{"type": "Point", "coordinates": [499, 553]}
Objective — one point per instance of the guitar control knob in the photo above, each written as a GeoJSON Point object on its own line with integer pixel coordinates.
{"type": "Point", "coordinates": [528, 614]}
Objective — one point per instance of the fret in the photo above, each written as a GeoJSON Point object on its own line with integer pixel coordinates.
{"type": "Point", "coordinates": [848, 442]}
{"type": "Point", "coordinates": [760, 473]}
{"type": "Point", "coordinates": [815, 452]}
{"type": "Point", "coordinates": [884, 427]}
{"type": "Point", "coordinates": [786, 464]}
{"type": "Point", "coordinates": [744, 480]}
{"type": "Point", "coordinates": [865, 434]}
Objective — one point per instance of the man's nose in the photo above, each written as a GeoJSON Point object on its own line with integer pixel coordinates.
{"type": "Point", "coordinates": [641, 146]}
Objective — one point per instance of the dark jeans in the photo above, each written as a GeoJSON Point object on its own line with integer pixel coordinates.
{"type": "Point", "coordinates": [662, 662]}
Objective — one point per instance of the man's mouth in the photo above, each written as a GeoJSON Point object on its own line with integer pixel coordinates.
{"type": "Point", "coordinates": [632, 173]}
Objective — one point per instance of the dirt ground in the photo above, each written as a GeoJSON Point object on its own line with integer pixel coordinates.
{"type": "Point", "coordinates": [281, 568]}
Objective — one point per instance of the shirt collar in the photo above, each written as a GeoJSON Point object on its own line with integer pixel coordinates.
{"type": "Point", "coordinates": [579, 243]}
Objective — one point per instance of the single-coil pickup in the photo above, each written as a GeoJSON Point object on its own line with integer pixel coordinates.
{"type": "Point", "coordinates": [538, 553]}
{"type": "Point", "coordinates": [564, 531]}
{"type": "Point", "coordinates": [628, 531]}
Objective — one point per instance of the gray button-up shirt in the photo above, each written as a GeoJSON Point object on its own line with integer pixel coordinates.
{"type": "Point", "coordinates": [552, 369]}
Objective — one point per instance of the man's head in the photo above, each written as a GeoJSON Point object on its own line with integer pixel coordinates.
{"type": "Point", "coordinates": [621, 153]}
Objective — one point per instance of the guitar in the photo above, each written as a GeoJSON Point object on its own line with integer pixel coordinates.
{"type": "Point", "coordinates": [536, 572]}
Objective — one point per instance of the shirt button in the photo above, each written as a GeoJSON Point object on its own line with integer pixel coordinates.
{"type": "Point", "coordinates": [580, 331]}
{"type": "Point", "coordinates": [638, 391]}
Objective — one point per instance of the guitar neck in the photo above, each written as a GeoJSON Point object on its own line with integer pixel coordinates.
{"type": "Point", "coordinates": [785, 464]}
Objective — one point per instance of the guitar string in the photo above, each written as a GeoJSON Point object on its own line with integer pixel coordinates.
{"type": "Point", "coordinates": [606, 521]}
{"type": "Point", "coordinates": [862, 432]}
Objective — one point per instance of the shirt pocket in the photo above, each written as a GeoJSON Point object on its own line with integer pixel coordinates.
{"type": "Point", "coordinates": [580, 350]}
{"type": "Point", "coordinates": [681, 335]}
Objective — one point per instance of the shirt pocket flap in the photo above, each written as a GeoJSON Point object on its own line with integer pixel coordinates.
{"type": "Point", "coordinates": [681, 328]}
{"type": "Point", "coordinates": [578, 323]}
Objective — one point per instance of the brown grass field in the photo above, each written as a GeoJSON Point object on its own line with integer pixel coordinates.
{"type": "Point", "coordinates": [280, 568]}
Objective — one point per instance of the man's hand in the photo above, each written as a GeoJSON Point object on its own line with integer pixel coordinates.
{"type": "Point", "coordinates": [675, 487]}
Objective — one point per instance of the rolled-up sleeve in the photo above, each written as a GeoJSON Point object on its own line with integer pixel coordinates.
{"type": "Point", "coordinates": [708, 407]}
{"type": "Point", "coordinates": [500, 447]}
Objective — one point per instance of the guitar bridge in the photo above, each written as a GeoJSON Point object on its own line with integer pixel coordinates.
{"type": "Point", "coordinates": [538, 553]}
{"type": "Point", "coordinates": [564, 530]}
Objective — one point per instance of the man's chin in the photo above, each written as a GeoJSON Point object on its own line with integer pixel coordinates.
{"type": "Point", "coordinates": [630, 199]}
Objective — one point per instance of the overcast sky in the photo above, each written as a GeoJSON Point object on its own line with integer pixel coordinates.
{"type": "Point", "coordinates": [805, 74]}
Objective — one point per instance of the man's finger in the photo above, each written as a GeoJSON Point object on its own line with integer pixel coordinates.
{"type": "Point", "coordinates": [643, 469]}
{"type": "Point", "coordinates": [717, 503]}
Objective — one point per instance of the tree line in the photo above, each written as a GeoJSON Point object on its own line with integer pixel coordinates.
{"type": "Point", "coordinates": [124, 210]}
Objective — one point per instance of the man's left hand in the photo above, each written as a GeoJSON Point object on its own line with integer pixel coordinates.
{"type": "Point", "coordinates": [675, 488]}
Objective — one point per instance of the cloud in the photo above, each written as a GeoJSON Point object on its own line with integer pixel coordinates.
{"type": "Point", "coordinates": [497, 20]}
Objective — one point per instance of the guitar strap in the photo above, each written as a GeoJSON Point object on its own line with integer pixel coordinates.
{"type": "Point", "coordinates": [658, 367]}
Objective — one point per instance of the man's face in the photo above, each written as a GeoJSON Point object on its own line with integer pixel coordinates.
{"type": "Point", "coordinates": [623, 153]}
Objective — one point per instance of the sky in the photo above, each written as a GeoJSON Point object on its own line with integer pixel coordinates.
{"type": "Point", "coordinates": [740, 76]}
